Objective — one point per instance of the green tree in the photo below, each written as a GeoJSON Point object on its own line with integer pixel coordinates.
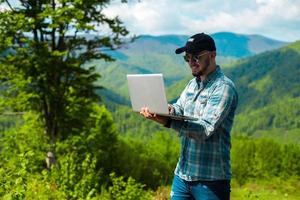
{"type": "Point", "coordinates": [44, 46]}
{"type": "Point", "coordinates": [243, 159]}
{"type": "Point", "coordinates": [125, 190]}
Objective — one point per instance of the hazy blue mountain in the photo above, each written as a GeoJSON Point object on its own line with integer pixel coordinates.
{"type": "Point", "coordinates": [228, 44]}
{"type": "Point", "coordinates": [239, 45]}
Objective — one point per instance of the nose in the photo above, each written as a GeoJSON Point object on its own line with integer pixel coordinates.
{"type": "Point", "coordinates": [191, 61]}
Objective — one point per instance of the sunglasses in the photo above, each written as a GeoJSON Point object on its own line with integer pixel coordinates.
{"type": "Point", "coordinates": [195, 58]}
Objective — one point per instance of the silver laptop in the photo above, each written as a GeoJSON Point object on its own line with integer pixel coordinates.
{"type": "Point", "coordinates": [147, 90]}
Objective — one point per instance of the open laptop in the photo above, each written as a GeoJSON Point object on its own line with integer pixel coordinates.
{"type": "Point", "coordinates": [147, 90]}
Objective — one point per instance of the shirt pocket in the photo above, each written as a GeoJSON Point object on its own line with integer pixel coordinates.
{"type": "Point", "coordinates": [201, 104]}
{"type": "Point", "coordinates": [189, 96]}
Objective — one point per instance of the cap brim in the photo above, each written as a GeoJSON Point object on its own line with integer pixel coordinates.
{"type": "Point", "coordinates": [180, 50]}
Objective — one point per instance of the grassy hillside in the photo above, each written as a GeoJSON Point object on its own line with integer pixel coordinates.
{"type": "Point", "coordinates": [264, 78]}
{"type": "Point", "coordinates": [269, 94]}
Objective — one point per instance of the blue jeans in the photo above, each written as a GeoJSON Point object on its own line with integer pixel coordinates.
{"type": "Point", "coordinates": [200, 190]}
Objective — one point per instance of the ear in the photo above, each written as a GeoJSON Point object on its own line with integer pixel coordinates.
{"type": "Point", "coordinates": [213, 54]}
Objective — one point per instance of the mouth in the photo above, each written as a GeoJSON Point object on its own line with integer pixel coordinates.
{"type": "Point", "coordinates": [194, 67]}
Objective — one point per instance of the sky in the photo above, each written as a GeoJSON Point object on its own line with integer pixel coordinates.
{"type": "Point", "coordinates": [277, 19]}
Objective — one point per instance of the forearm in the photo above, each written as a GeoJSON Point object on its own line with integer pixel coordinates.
{"type": "Point", "coordinates": [192, 129]}
{"type": "Point", "coordinates": [153, 116]}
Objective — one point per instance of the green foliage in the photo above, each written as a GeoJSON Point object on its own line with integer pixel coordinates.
{"type": "Point", "coordinates": [77, 178]}
{"type": "Point", "coordinates": [133, 124]}
{"type": "Point", "coordinates": [269, 94]}
{"type": "Point", "coordinates": [263, 79]}
{"type": "Point", "coordinates": [9, 121]}
{"type": "Point", "coordinates": [294, 46]}
{"type": "Point", "coordinates": [263, 159]}
{"type": "Point", "coordinates": [29, 137]}
{"type": "Point", "coordinates": [125, 190]}
{"type": "Point", "coordinates": [45, 72]}
{"type": "Point", "coordinates": [85, 160]}
{"type": "Point", "coordinates": [150, 161]}
{"type": "Point", "coordinates": [82, 166]}
{"type": "Point", "coordinates": [283, 114]}
{"type": "Point", "coordinates": [268, 189]}
{"type": "Point", "coordinates": [44, 46]}
{"type": "Point", "coordinates": [22, 159]}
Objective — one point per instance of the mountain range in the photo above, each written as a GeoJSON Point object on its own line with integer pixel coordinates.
{"type": "Point", "coordinates": [155, 54]}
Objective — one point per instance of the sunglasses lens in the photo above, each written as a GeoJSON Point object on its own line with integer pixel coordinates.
{"type": "Point", "coordinates": [186, 58]}
{"type": "Point", "coordinates": [195, 58]}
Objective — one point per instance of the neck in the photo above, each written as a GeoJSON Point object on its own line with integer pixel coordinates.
{"type": "Point", "coordinates": [212, 67]}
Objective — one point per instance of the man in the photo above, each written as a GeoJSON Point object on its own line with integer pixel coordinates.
{"type": "Point", "coordinates": [203, 170]}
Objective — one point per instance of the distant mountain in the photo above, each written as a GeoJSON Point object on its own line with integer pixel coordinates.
{"type": "Point", "coordinates": [239, 45]}
{"type": "Point", "coordinates": [269, 93]}
{"type": "Point", "coordinates": [267, 77]}
{"type": "Point", "coordinates": [228, 44]}
{"type": "Point", "coordinates": [155, 54]}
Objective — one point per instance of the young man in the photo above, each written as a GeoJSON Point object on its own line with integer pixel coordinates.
{"type": "Point", "coordinates": [203, 170]}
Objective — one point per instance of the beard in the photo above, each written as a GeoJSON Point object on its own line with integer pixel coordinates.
{"type": "Point", "coordinates": [202, 70]}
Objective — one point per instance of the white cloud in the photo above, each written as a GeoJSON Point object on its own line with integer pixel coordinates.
{"type": "Point", "coordinates": [272, 18]}
{"type": "Point", "coordinates": [3, 8]}
{"type": "Point", "coordinates": [279, 19]}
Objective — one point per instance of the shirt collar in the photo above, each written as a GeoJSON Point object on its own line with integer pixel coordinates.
{"type": "Point", "coordinates": [210, 76]}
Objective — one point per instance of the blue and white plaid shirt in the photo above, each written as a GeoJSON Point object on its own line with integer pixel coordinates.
{"type": "Point", "coordinates": [205, 143]}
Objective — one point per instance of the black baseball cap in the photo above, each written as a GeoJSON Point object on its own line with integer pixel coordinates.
{"type": "Point", "coordinates": [198, 43]}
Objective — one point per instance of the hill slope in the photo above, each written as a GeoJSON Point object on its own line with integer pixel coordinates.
{"type": "Point", "coordinates": [267, 77]}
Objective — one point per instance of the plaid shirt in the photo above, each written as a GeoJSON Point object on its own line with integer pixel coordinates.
{"type": "Point", "coordinates": [205, 143]}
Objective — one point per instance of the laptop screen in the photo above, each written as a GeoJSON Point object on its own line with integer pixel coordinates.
{"type": "Point", "coordinates": [147, 90]}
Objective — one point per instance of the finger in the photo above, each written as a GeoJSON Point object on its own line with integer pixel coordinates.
{"type": "Point", "coordinates": [170, 108]}
{"type": "Point", "coordinates": [149, 113]}
{"type": "Point", "coordinates": [143, 112]}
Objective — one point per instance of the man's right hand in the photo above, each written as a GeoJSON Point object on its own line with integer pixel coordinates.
{"type": "Point", "coordinates": [153, 116]}
{"type": "Point", "coordinates": [171, 109]}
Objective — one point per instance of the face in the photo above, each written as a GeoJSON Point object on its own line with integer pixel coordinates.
{"type": "Point", "coordinates": [199, 63]}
